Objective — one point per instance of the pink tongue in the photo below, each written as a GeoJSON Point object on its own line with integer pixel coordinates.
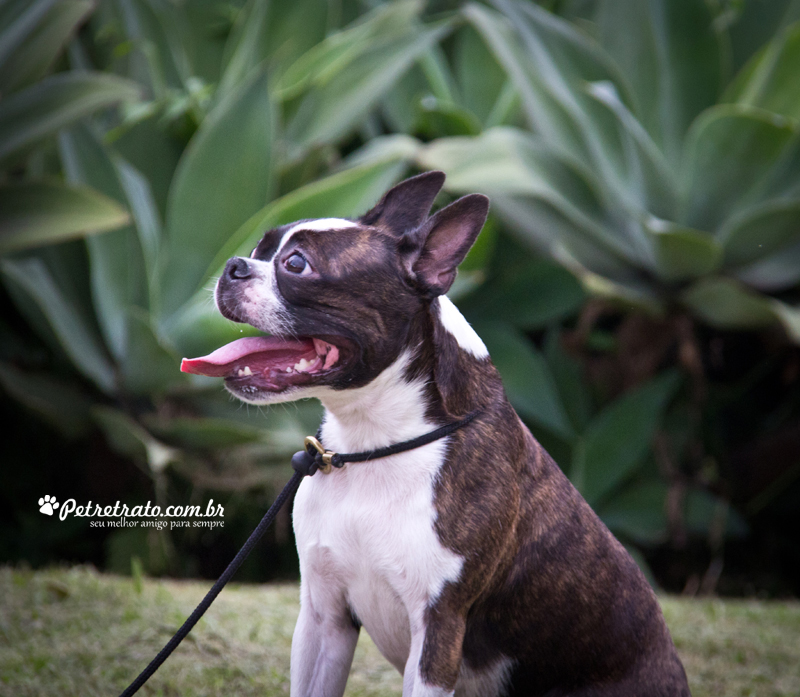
{"type": "Point", "coordinates": [220, 362]}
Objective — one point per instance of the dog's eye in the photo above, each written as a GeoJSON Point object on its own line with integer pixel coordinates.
{"type": "Point", "coordinates": [296, 263]}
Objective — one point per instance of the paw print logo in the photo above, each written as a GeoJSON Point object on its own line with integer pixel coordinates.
{"type": "Point", "coordinates": [47, 504]}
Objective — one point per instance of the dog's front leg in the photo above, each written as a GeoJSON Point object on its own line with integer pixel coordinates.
{"type": "Point", "coordinates": [323, 644]}
{"type": "Point", "coordinates": [434, 660]}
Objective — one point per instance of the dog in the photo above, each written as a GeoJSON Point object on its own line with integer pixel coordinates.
{"type": "Point", "coordinates": [472, 562]}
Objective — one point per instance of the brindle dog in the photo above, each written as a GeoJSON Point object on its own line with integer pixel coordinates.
{"type": "Point", "coordinates": [472, 561]}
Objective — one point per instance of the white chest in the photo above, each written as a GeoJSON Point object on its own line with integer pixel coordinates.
{"type": "Point", "coordinates": [367, 533]}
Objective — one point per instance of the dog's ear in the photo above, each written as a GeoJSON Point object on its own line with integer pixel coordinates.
{"type": "Point", "coordinates": [435, 250]}
{"type": "Point", "coordinates": [404, 207]}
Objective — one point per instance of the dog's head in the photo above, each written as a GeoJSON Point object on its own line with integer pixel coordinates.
{"type": "Point", "coordinates": [337, 296]}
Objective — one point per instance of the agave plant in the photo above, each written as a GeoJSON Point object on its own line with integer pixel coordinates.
{"type": "Point", "coordinates": [642, 168]}
{"type": "Point", "coordinates": [35, 207]}
{"type": "Point", "coordinates": [665, 186]}
{"type": "Point", "coordinates": [237, 120]}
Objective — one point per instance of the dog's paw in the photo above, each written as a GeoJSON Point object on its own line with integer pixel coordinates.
{"type": "Point", "coordinates": [47, 504]}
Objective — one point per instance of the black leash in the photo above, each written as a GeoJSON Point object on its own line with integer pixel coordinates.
{"type": "Point", "coordinates": [305, 463]}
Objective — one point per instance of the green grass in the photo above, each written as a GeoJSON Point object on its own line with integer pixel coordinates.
{"type": "Point", "coordinates": [77, 632]}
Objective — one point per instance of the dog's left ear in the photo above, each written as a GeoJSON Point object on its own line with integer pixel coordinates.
{"type": "Point", "coordinates": [404, 207]}
{"type": "Point", "coordinates": [435, 250]}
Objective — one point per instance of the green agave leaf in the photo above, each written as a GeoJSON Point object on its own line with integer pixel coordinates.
{"type": "Point", "coordinates": [79, 341]}
{"type": "Point", "coordinates": [34, 214]}
{"type": "Point", "coordinates": [623, 288]}
{"type": "Point", "coordinates": [30, 311]}
{"type": "Point", "coordinates": [128, 438]}
{"type": "Point", "coordinates": [704, 509]}
{"type": "Point", "coordinates": [149, 368]}
{"type": "Point", "coordinates": [760, 232]}
{"type": "Point", "coordinates": [619, 438]}
{"type": "Point", "coordinates": [42, 45]}
{"type": "Point", "coordinates": [558, 61]}
{"type": "Point", "coordinates": [562, 61]}
{"type": "Point", "coordinates": [435, 65]}
{"type": "Point", "coordinates": [330, 111]}
{"type": "Point", "coordinates": [244, 49]}
{"type": "Point", "coordinates": [727, 304]}
{"type": "Point", "coordinates": [547, 197]}
{"type": "Point", "coordinates": [757, 23]}
{"type": "Point", "coordinates": [224, 177]}
{"type": "Point", "coordinates": [789, 317]}
{"type": "Point", "coordinates": [565, 56]}
{"type": "Point", "coordinates": [154, 153]}
{"type": "Point", "coordinates": [124, 435]}
{"type": "Point", "coordinates": [638, 513]}
{"type": "Point", "coordinates": [682, 253]}
{"type": "Point", "coordinates": [730, 150]}
{"type": "Point", "coordinates": [545, 228]}
{"type": "Point", "coordinates": [534, 296]}
{"type": "Point", "coordinates": [162, 61]}
{"type": "Point", "coordinates": [145, 214]}
{"type": "Point", "coordinates": [20, 27]}
{"type": "Point", "coordinates": [672, 57]}
{"type": "Point", "coordinates": [39, 111]}
{"type": "Point", "coordinates": [769, 81]}
{"type": "Point", "coordinates": [479, 76]}
{"type": "Point", "coordinates": [776, 272]}
{"type": "Point", "coordinates": [438, 119]}
{"type": "Point", "coordinates": [279, 32]}
{"type": "Point", "coordinates": [318, 66]}
{"type": "Point", "coordinates": [568, 375]}
{"type": "Point", "coordinates": [783, 181]}
{"type": "Point", "coordinates": [648, 179]}
{"type": "Point", "coordinates": [400, 106]}
{"type": "Point", "coordinates": [526, 377]}
{"type": "Point", "coordinates": [59, 403]}
{"type": "Point", "coordinates": [545, 114]}
{"type": "Point", "coordinates": [383, 149]}
{"type": "Point", "coordinates": [202, 433]}
{"type": "Point", "coordinates": [505, 111]}
{"type": "Point", "coordinates": [116, 265]}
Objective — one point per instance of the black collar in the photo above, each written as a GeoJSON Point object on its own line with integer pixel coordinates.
{"type": "Point", "coordinates": [315, 457]}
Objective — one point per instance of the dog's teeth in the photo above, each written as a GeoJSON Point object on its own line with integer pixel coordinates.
{"type": "Point", "coordinates": [246, 371]}
{"type": "Point", "coordinates": [301, 365]}
{"type": "Point", "coordinates": [240, 373]}
{"type": "Point", "coordinates": [289, 369]}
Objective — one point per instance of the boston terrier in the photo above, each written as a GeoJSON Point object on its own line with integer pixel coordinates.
{"type": "Point", "coordinates": [472, 562]}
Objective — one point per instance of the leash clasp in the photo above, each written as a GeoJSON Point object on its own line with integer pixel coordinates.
{"type": "Point", "coordinates": [327, 455]}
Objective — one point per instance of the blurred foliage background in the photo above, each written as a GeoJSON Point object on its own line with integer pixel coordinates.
{"type": "Point", "coordinates": [636, 283]}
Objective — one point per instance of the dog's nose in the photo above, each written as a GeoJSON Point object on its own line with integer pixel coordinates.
{"type": "Point", "coordinates": [237, 268]}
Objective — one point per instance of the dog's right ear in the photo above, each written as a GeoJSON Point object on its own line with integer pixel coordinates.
{"type": "Point", "coordinates": [405, 206]}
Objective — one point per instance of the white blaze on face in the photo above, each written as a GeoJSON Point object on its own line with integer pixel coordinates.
{"type": "Point", "coordinates": [464, 334]}
{"type": "Point", "coordinates": [321, 225]}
